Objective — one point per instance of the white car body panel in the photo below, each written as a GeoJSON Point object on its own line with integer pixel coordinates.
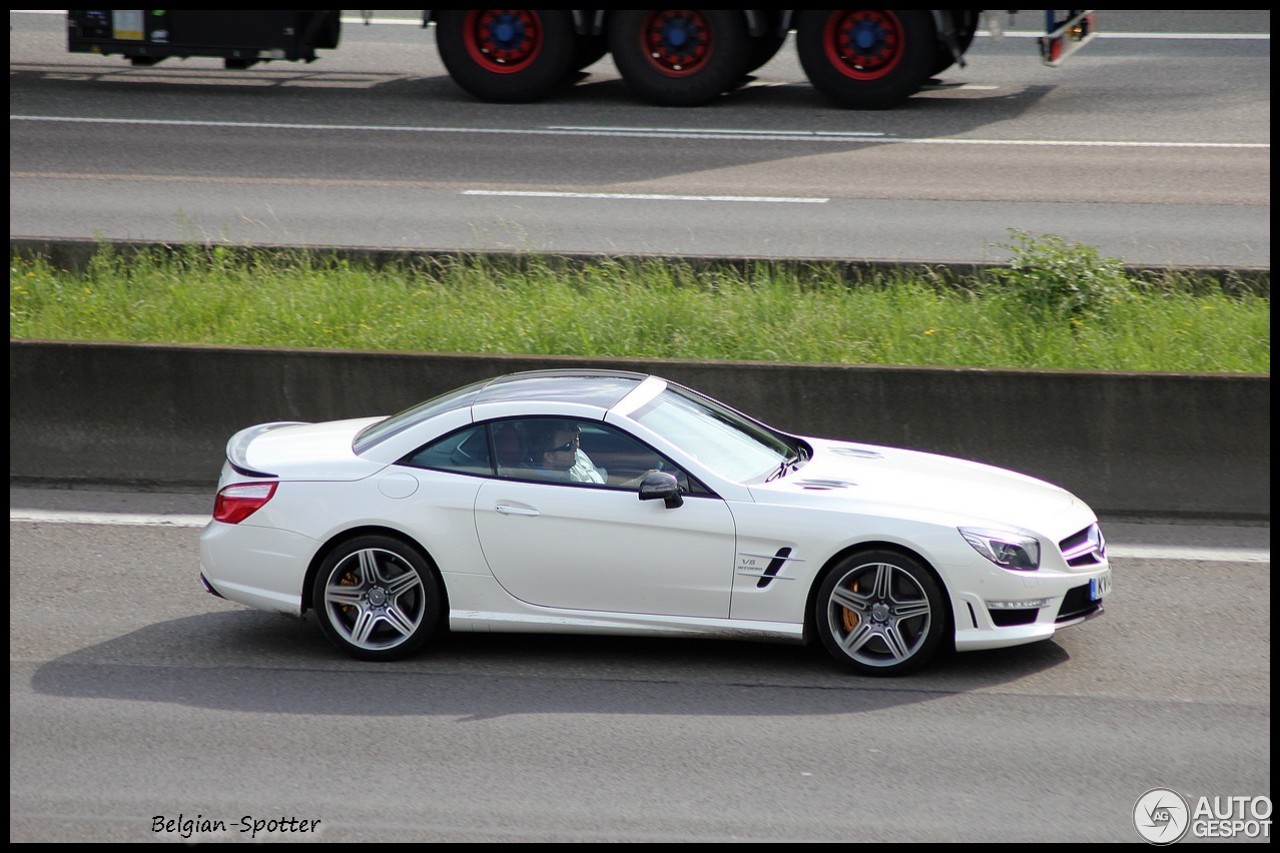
{"type": "Point", "coordinates": [920, 482]}
{"type": "Point", "coordinates": [262, 567]}
{"type": "Point", "coordinates": [497, 612]}
{"type": "Point", "coordinates": [505, 409]}
{"type": "Point", "coordinates": [312, 451]}
{"type": "Point", "coordinates": [583, 548]}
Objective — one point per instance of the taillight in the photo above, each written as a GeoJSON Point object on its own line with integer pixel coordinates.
{"type": "Point", "coordinates": [237, 502]}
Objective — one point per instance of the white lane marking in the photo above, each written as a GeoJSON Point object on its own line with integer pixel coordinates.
{"type": "Point", "coordinates": [1202, 553]}
{"type": "Point", "coordinates": [1033, 34]}
{"type": "Point", "coordinates": [648, 196]}
{"type": "Point", "coordinates": [685, 131]}
{"type": "Point", "coordinates": [647, 133]}
{"type": "Point", "coordinates": [1084, 143]}
{"type": "Point", "coordinates": [1125, 552]}
{"type": "Point", "coordinates": [123, 519]}
{"type": "Point", "coordinates": [386, 22]}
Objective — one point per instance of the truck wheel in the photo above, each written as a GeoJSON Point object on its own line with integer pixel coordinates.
{"type": "Point", "coordinates": [966, 24]}
{"type": "Point", "coordinates": [679, 57]}
{"type": "Point", "coordinates": [508, 55]}
{"type": "Point", "coordinates": [323, 29]}
{"type": "Point", "coordinates": [871, 59]}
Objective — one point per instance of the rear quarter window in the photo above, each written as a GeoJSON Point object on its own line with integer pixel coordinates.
{"type": "Point", "coordinates": [463, 452]}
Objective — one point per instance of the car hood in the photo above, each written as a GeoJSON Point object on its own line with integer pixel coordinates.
{"type": "Point", "coordinates": [301, 451]}
{"type": "Point", "coordinates": [908, 480]}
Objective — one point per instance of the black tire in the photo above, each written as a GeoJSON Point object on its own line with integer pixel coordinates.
{"type": "Point", "coordinates": [966, 24]}
{"type": "Point", "coordinates": [899, 51]}
{"type": "Point", "coordinates": [890, 628]}
{"type": "Point", "coordinates": [329, 31]}
{"type": "Point", "coordinates": [377, 598]}
{"type": "Point", "coordinates": [679, 57]}
{"type": "Point", "coordinates": [509, 56]}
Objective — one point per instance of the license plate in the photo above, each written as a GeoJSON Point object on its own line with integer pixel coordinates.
{"type": "Point", "coordinates": [1099, 586]}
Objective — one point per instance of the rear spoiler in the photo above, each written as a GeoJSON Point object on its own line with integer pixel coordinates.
{"type": "Point", "coordinates": [238, 447]}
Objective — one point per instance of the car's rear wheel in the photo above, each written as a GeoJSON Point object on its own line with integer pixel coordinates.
{"type": "Point", "coordinates": [377, 598]}
{"type": "Point", "coordinates": [880, 613]}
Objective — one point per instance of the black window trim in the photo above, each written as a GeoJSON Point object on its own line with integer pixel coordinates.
{"type": "Point", "coordinates": [697, 488]}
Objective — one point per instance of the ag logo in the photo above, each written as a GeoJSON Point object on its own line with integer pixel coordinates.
{"type": "Point", "coordinates": [1161, 816]}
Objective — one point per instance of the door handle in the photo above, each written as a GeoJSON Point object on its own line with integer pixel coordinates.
{"type": "Point", "coordinates": [515, 509]}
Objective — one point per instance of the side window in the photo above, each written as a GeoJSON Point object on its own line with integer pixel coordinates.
{"type": "Point", "coordinates": [567, 450]}
{"type": "Point", "coordinates": [464, 452]}
{"type": "Point", "coordinates": [511, 448]}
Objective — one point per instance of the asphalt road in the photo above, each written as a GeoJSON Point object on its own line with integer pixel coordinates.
{"type": "Point", "coordinates": [133, 694]}
{"type": "Point", "coordinates": [1154, 146]}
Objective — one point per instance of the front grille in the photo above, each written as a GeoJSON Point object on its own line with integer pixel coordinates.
{"type": "Point", "coordinates": [1086, 548]}
{"type": "Point", "coordinates": [1076, 604]}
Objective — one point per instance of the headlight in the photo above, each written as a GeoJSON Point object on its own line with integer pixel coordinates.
{"type": "Point", "coordinates": [1008, 549]}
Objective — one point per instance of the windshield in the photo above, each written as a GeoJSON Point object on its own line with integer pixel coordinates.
{"type": "Point", "coordinates": [728, 443]}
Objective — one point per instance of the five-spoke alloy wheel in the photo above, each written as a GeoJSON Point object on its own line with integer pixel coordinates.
{"type": "Point", "coordinates": [377, 598]}
{"type": "Point", "coordinates": [880, 612]}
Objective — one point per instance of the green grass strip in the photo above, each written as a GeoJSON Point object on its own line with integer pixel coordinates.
{"type": "Point", "coordinates": [1058, 306]}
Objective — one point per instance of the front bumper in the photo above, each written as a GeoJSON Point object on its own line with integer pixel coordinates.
{"type": "Point", "coordinates": [1026, 609]}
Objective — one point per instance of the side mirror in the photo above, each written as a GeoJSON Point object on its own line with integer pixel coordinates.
{"type": "Point", "coordinates": [659, 485]}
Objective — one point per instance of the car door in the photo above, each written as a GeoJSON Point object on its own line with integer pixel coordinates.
{"type": "Point", "coordinates": [595, 546]}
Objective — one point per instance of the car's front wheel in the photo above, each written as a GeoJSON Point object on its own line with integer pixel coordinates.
{"type": "Point", "coordinates": [377, 598]}
{"type": "Point", "coordinates": [880, 613]}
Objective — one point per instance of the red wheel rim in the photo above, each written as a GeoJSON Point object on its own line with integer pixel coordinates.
{"type": "Point", "coordinates": [677, 42]}
{"type": "Point", "coordinates": [503, 41]}
{"type": "Point", "coordinates": [865, 44]}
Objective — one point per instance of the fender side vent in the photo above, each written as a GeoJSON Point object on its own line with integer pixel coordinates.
{"type": "Point", "coordinates": [775, 566]}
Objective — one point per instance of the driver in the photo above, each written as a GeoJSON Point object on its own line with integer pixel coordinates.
{"type": "Point", "coordinates": [556, 451]}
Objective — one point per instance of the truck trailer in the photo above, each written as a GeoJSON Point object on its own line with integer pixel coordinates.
{"type": "Point", "coordinates": [857, 58]}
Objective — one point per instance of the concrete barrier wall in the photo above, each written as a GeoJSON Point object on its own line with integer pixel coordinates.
{"type": "Point", "coordinates": [1150, 444]}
